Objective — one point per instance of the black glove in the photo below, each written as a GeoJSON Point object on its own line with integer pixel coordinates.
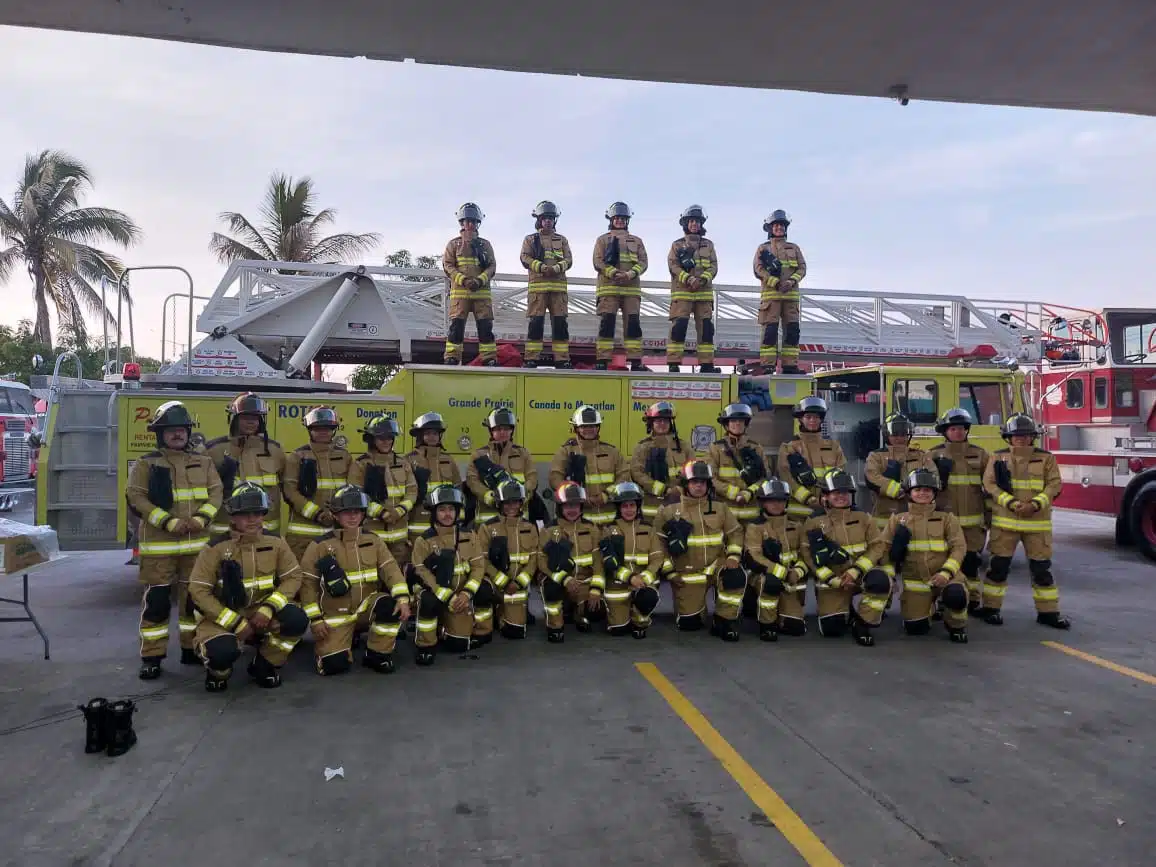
{"type": "Point", "coordinates": [537, 251]}
{"type": "Point", "coordinates": [944, 464]}
{"type": "Point", "coordinates": [421, 476]}
{"type": "Point", "coordinates": [558, 557]}
{"type": "Point", "coordinates": [677, 536]}
{"type": "Point", "coordinates": [227, 470]}
{"type": "Point", "coordinates": [732, 578]}
{"type": "Point", "coordinates": [685, 259]}
{"type": "Point", "coordinates": [537, 508]}
{"type": "Point", "coordinates": [160, 487]}
{"type": "Point", "coordinates": [612, 254]}
{"type": "Point", "coordinates": [893, 471]}
{"type": "Point", "coordinates": [801, 470]}
{"type": "Point", "coordinates": [826, 552]}
{"type": "Point", "coordinates": [656, 466]}
{"type": "Point", "coordinates": [576, 468]}
{"type": "Point", "coordinates": [771, 262]}
{"type": "Point", "coordinates": [442, 563]}
{"type": "Point", "coordinates": [899, 543]}
{"type": "Point", "coordinates": [754, 467]}
{"type": "Point", "coordinates": [499, 553]}
{"type": "Point", "coordinates": [1003, 477]}
{"type": "Point", "coordinates": [231, 591]}
{"type": "Point", "coordinates": [333, 576]}
{"type": "Point", "coordinates": [613, 550]}
{"type": "Point", "coordinates": [491, 473]}
{"type": "Point", "coordinates": [307, 478]}
{"type": "Point", "coordinates": [753, 565]}
{"type": "Point", "coordinates": [480, 253]}
{"type": "Point", "coordinates": [375, 487]}
{"type": "Point", "coordinates": [772, 550]}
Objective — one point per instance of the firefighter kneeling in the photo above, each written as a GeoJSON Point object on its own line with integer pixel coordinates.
{"type": "Point", "coordinates": [510, 544]}
{"type": "Point", "coordinates": [772, 553]}
{"type": "Point", "coordinates": [926, 549]}
{"type": "Point", "coordinates": [631, 558]}
{"type": "Point", "coordinates": [242, 588]}
{"type": "Point", "coordinates": [573, 576]}
{"type": "Point", "coordinates": [702, 540]}
{"type": "Point", "coordinates": [352, 582]}
{"type": "Point", "coordinates": [451, 567]}
{"type": "Point", "coordinates": [841, 548]}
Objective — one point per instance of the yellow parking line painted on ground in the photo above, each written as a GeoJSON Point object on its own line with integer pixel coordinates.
{"type": "Point", "coordinates": [1103, 663]}
{"type": "Point", "coordinates": [765, 798]}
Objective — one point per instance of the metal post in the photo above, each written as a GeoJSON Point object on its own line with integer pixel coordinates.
{"type": "Point", "coordinates": [165, 321]}
{"type": "Point", "coordinates": [104, 320]}
{"type": "Point", "coordinates": [120, 296]}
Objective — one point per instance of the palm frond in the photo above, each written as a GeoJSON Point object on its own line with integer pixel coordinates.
{"type": "Point", "coordinates": [248, 237]}
{"type": "Point", "coordinates": [228, 250]}
{"type": "Point", "coordinates": [342, 248]}
{"type": "Point", "coordinates": [8, 261]}
{"type": "Point", "coordinates": [88, 225]}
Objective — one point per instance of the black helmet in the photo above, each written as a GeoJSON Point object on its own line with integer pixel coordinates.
{"type": "Point", "coordinates": [1019, 424]}
{"type": "Point", "coordinates": [247, 403]}
{"type": "Point", "coordinates": [470, 211]}
{"type": "Point", "coordinates": [838, 481]}
{"type": "Point", "coordinates": [172, 413]}
{"type": "Point", "coordinates": [428, 421]}
{"type": "Point", "coordinates": [811, 404]}
{"type": "Point", "coordinates": [735, 412]}
{"type": "Point", "coordinates": [619, 209]}
{"type": "Point", "coordinates": [380, 426]}
{"type": "Point", "coordinates": [321, 416]}
{"type": "Point", "coordinates": [954, 416]}
{"type": "Point", "coordinates": [501, 417]}
{"type": "Point", "coordinates": [445, 495]}
{"type": "Point", "coordinates": [248, 498]}
{"type": "Point", "coordinates": [510, 490]}
{"type": "Point", "coordinates": [694, 212]}
{"type": "Point", "coordinates": [774, 489]}
{"type": "Point", "coordinates": [570, 492]}
{"type": "Point", "coordinates": [625, 492]}
{"type": "Point", "coordinates": [545, 209]}
{"type": "Point", "coordinates": [776, 216]}
{"type": "Point", "coordinates": [348, 498]}
{"type": "Point", "coordinates": [585, 415]}
{"type": "Point", "coordinates": [898, 425]}
{"type": "Point", "coordinates": [697, 469]}
{"type": "Point", "coordinates": [921, 478]}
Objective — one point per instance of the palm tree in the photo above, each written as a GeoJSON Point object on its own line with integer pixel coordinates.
{"type": "Point", "coordinates": [290, 229]}
{"type": "Point", "coordinates": [47, 230]}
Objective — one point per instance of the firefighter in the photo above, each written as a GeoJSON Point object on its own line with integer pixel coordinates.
{"type": "Point", "coordinates": [961, 466]}
{"type": "Point", "coordinates": [513, 558]}
{"type": "Point", "coordinates": [572, 580]}
{"type": "Point", "coordinates": [177, 493]}
{"type": "Point", "coordinates": [351, 582]}
{"type": "Point", "coordinates": [771, 551]}
{"type": "Point", "coordinates": [886, 468]}
{"type": "Point", "coordinates": [620, 261]}
{"type": "Point", "coordinates": [546, 255]}
{"type": "Point", "coordinates": [1022, 481]}
{"type": "Point", "coordinates": [737, 461]}
{"type": "Point", "coordinates": [452, 568]}
{"type": "Point", "coordinates": [248, 455]}
{"type": "Point", "coordinates": [631, 559]}
{"type": "Point", "coordinates": [841, 547]}
{"type": "Point", "coordinates": [242, 587]}
{"type": "Point", "coordinates": [808, 457]}
{"type": "Point", "coordinates": [658, 458]}
{"type": "Point", "coordinates": [926, 548]}
{"type": "Point", "coordinates": [469, 264]}
{"type": "Point", "coordinates": [780, 267]}
{"type": "Point", "coordinates": [591, 463]}
{"type": "Point", "coordinates": [312, 473]}
{"type": "Point", "coordinates": [702, 542]}
{"type": "Point", "coordinates": [693, 265]}
{"type": "Point", "coordinates": [501, 459]}
{"type": "Point", "coordinates": [433, 468]}
{"type": "Point", "coordinates": [388, 480]}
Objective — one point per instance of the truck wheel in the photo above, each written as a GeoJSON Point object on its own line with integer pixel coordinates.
{"type": "Point", "coordinates": [1143, 520]}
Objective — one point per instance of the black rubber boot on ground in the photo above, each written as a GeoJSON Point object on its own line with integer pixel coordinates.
{"type": "Point", "coordinates": [95, 724]}
{"type": "Point", "coordinates": [382, 663]}
{"type": "Point", "coordinates": [1053, 619]}
{"type": "Point", "coordinates": [119, 731]}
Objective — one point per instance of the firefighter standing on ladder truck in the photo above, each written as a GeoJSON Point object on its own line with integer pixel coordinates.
{"type": "Point", "coordinates": [780, 267]}
{"type": "Point", "coordinates": [693, 264]}
{"type": "Point", "coordinates": [620, 261]}
{"type": "Point", "coordinates": [469, 264]}
{"type": "Point", "coordinates": [546, 255]}
{"type": "Point", "coordinates": [248, 455]}
{"type": "Point", "coordinates": [177, 492]}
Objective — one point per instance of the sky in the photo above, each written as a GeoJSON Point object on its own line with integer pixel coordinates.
{"type": "Point", "coordinates": [986, 202]}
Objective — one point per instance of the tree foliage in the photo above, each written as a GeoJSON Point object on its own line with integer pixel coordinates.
{"type": "Point", "coordinates": [19, 349]}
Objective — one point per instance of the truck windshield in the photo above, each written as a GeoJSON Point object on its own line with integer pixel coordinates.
{"type": "Point", "coordinates": [1133, 336]}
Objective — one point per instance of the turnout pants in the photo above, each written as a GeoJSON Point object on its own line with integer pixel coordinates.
{"type": "Point", "coordinates": [214, 643]}
{"type": "Point", "coordinates": [481, 306]}
{"type": "Point", "coordinates": [375, 613]}
{"type": "Point", "coordinates": [680, 313]}
{"type": "Point", "coordinates": [436, 621]}
{"type": "Point", "coordinates": [573, 593]}
{"type": "Point", "coordinates": [775, 308]}
{"type": "Point", "coordinates": [689, 592]}
{"type": "Point", "coordinates": [608, 307]}
{"type": "Point", "coordinates": [783, 609]}
{"type": "Point", "coordinates": [1038, 548]}
{"type": "Point", "coordinates": [538, 304]}
{"type": "Point", "coordinates": [620, 610]}
{"type": "Point", "coordinates": [918, 603]}
{"type": "Point", "coordinates": [972, 560]}
{"type": "Point", "coordinates": [510, 610]}
{"type": "Point", "coordinates": [836, 605]}
{"type": "Point", "coordinates": [160, 573]}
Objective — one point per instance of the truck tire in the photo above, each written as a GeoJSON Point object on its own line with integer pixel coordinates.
{"type": "Point", "coordinates": [1143, 520]}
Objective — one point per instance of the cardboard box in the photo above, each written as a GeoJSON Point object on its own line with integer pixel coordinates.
{"type": "Point", "coordinates": [22, 546]}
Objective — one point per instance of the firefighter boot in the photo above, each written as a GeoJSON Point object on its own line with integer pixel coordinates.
{"type": "Point", "coordinates": [1053, 619]}
{"type": "Point", "coordinates": [189, 656]}
{"type": "Point", "coordinates": [95, 726]}
{"type": "Point", "coordinates": [768, 632]}
{"type": "Point", "coordinates": [119, 733]}
{"type": "Point", "coordinates": [150, 667]}
{"type": "Point", "coordinates": [382, 663]}
{"type": "Point", "coordinates": [860, 631]}
{"type": "Point", "coordinates": [957, 635]}
{"type": "Point", "coordinates": [263, 672]}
